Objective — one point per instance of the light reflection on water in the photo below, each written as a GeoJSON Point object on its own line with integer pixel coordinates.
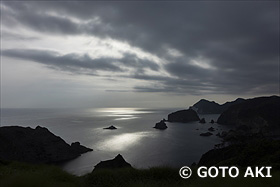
{"type": "Point", "coordinates": [122, 141]}
{"type": "Point", "coordinates": [120, 113]}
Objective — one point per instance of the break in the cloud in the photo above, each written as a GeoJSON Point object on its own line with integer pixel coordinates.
{"type": "Point", "coordinates": [192, 48]}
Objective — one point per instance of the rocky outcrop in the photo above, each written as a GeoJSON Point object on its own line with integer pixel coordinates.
{"type": "Point", "coordinates": [257, 115]}
{"type": "Point", "coordinates": [111, 128]}
{"type": "Point", "coordinates": [37, 145]}
{"type": "Point", "coordinates": [222, 134]}
{"type": "Point", "coordinates": [211, 107]}
{"type": "Point", "coordinates": [183, 116]}
{"type": "Point", "coordinates": [77, 147]}
{"type": "Point", "coordinates": [116, 163]}
{"type": "Point", "coordinates": [212, 121]}
{"type": "Point", "coordinates": [211, 129]}
{"type": "Point", "coordinates": [206, 134]}
{"type": "Point", "coordinates": [161, 125]}
{"type": "Point", "coordinates": [202, 120]}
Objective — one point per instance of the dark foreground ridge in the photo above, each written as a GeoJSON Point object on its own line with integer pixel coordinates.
{"type": "Point", "coordinates": [22, 174]}
{"type": "Point", "coordinates": [37, 145]}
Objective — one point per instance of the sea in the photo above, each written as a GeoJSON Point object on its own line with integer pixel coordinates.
{"type": "Point", "coordinates": [135, 138]}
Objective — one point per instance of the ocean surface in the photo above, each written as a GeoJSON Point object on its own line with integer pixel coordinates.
{"type": "Point", "coordinates": [136, 139]}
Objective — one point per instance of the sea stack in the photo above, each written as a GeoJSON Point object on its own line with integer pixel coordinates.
{"type": "Point", "coordinates": [161, 125]}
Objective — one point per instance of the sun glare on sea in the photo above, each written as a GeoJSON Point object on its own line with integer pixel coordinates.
{"type": "Point", "coordinates": [122, 141]}
{"type": "Point", "coordinates": [122, 113]}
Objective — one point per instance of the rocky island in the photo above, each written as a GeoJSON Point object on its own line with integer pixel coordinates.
{"type": "Point", "coordinates": [37, 145]}
{"type": "Point", "coordinates": [112, 127]}
{"type": "Point", "coordinates": [183, 116]}
{"type": "Point", "coordinates": [161, 125]}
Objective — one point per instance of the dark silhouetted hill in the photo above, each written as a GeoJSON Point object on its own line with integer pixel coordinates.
{"type": "Point", "coordinates": [211, 107]}
{"type": "Point", "coordinates": [37, 145]}
{"type": "Point", "coordinates": [257, 115]}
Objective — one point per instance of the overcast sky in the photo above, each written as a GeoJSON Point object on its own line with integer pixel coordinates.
{"type": "Point", "coordinates": [137, 54]}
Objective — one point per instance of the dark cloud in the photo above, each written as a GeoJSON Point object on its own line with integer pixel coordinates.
{"type": "Point", "coordinates": [13, 36]}
{"type": "Point", "coordinates": [81, 63]}
{"type": "Point", "coordinates": [239, 39]}
{"type": "Point", "coordinates": [71, 62]}
{"type": "Point", "coordinates": [131, 60]}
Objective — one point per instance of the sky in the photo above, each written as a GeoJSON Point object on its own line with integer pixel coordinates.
{"type": "Point", "coordinates": [137, 54]}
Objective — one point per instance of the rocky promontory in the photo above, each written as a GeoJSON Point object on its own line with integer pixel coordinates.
{"type": "Point", "coordinates": [37, 145]}
{"type": "Point", "coordinates": [257, 115]}
{"type": "Point", "coordinates": [211, 107]}
{"type": "Point", "coordinates": [183, 116]}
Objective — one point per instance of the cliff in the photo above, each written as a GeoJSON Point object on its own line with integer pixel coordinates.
{"type": "Point", "coordinates": [211, 107]}
{"type": "Point", "coordinates": [183, 116]}
{"type": "Point", "coordinates": [257, 115]}
{"type": "Point", "coordinates": [37, 145]}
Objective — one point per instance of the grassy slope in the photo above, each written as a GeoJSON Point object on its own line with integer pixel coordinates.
{"type": "Point", "coordinates": [29, 175]}
{"type": "Point", "coordinates": [20, 174]}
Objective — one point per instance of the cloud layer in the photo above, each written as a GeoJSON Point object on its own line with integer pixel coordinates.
{"type": "Point", "coordinates": [173, 47]}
